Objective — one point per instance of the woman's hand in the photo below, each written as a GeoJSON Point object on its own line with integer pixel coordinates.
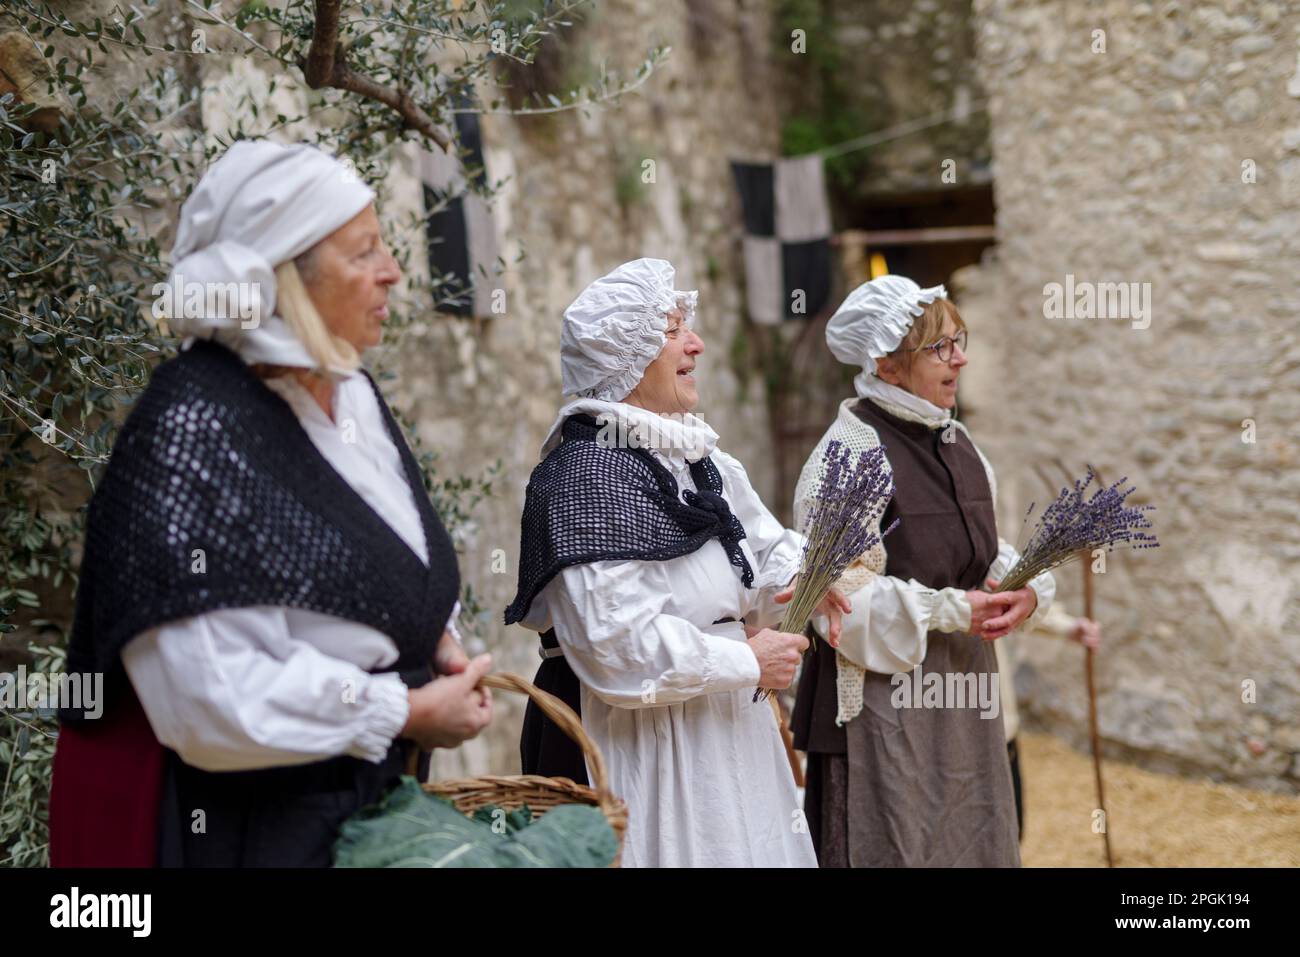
{"type": "Point", "coordinates": [1087, 633]}
{"type": "Point", "coordinates": [451, 709]}
{"type": "Point", "coordinates": [834, 607]}
{"type": "Point", "coordinates": [984, 607]}
{"type": "Point", "coordinates": [1017, 606]}
{"type": "Point", "coordinates": [449, 658]}
{"type": "Point", "coordinates": [778, 654]}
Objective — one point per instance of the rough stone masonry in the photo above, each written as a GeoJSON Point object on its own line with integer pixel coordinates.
{"type": "Point", "coordinates": [1172, 158]}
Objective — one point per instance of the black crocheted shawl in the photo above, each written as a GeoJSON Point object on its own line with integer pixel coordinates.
{"type": "Point", "coordinates": [590, 501]}
{"type": "Point", "coordinates": [215, 497]}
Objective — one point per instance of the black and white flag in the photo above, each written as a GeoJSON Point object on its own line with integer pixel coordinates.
{"type": "Point", "coordinates": [787, 237]}
{"type": "Point", "coordinates": [459, 230]}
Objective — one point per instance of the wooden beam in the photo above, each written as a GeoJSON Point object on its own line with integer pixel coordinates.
{"type": "Point", "coordinates": [914, 237]}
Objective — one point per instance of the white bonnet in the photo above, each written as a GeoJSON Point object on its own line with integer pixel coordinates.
{"type": "Point", "coordinates": [616, 327]}
{"type": "Point", "coordinates": [261, 204]}
{"type": "Point", "coordinates": [875, 318]}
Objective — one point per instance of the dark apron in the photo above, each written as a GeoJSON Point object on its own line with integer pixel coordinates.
{"type": "Point", "coordinates": [273, 817]}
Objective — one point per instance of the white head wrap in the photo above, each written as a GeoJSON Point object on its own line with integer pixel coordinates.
{"type": "Point", "coordinates": [260, 205]}
{"type": "Point", "coordinates": [875, 318]}
{"type": "Point", "coordinates": [616, 327]}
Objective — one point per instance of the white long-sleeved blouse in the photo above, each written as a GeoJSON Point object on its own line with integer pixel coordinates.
{"type": "Point", "coordinates": [245, 688]}
{"type": "Point", "coordinates": [667, 695]}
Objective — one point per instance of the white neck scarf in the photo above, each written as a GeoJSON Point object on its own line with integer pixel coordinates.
{"type": "Point", "coordinates": [678, 439]}
{"type": "Point", "coordinates": [272, 342]}
{"type": "Point", "coordinates": [900, 402]}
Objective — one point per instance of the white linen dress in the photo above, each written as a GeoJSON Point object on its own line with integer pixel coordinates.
{"type": "Point", "coordinates": [667, 695]}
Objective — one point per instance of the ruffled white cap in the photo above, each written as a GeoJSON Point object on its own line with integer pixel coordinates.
{"type": "Point", "coordinates": [616, 327]}
{"type": "Point", "coordinates": [260, 205]}
{"type": "Point", "coordinates": [875, 318]}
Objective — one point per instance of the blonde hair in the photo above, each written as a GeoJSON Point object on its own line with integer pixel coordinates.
{"type": "Point", "coordinates": [927, 328]}
{"type": "Point", "coordinates": [294, 305]}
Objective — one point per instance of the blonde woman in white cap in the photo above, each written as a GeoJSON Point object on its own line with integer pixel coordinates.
{"type": "Point", "coordinates": [654, 574]}
{"type": "Point", "coordinates": [265, 582]}
{"type": "Point", "coordinates": [907, 764]}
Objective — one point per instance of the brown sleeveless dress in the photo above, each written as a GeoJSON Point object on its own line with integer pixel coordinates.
{"type": "Point", "coordinates": [915, 787]}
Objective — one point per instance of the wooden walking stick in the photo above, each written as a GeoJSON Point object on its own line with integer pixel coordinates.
{"type": "Point", "coordinates": [788, 740]}
{"type": "Point", "coordinates": [1094, 735]}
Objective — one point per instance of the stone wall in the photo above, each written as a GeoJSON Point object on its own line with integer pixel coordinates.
{"type": "Point", "coordinates": [1172, 158]}
{"type": "Point", "coordinates": [904, 60]}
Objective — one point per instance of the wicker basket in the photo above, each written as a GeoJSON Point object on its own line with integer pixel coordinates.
{"type": "Point", "coordinates": [540, 793]}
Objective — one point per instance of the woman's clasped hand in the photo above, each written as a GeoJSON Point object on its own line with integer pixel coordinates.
{"type": "Point", "coordinates": [995, 614]}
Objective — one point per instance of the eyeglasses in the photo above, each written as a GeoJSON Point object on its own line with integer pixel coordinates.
{"type": "Point", "coordinates": [943, 348]}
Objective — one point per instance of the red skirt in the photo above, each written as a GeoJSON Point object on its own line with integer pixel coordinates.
{"type": "Point", "coordinates": [107, 790]}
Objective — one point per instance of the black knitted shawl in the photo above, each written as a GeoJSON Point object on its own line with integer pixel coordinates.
{"type": "Point", "coordinates": [589, 502]}
{"type": "Point", "coordinates": [215, 497]}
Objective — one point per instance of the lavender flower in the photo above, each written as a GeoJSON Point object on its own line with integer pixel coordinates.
{"type": "Point", "coordinates": [1071, 526]}
{"type": "Point", "coordinates": [841, 525]}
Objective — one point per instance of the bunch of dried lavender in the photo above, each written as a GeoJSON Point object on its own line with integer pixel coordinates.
{"type": "Point", "coordinates": [841, 525]}
{"type": "Point", "coordinates": [1072, 526]}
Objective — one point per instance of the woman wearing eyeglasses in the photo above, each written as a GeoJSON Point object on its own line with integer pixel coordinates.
{"type": "Point", "coordinates": [909, 768]}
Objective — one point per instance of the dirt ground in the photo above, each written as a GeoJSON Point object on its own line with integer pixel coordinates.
{"type": "Point", "coordinates": [1155, 820]}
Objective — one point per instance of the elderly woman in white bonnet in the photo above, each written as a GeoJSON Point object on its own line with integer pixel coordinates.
{"type": "Point", "coordinates": [655, 574]}
{"type": "Point", "coordinates": [897, 775]}
{"type": "Point", "coordinates": [265, 581]}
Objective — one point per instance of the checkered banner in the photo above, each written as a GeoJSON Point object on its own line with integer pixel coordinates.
{"type": "Point", "coordinates": [787, 237]}
{"type": "Point", "coordinates": [460, 234]}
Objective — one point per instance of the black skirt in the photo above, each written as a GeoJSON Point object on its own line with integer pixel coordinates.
{"type": "Point", "coordinates": [275, 817]}
{"type": "Point", "coordinates": [543, 747]}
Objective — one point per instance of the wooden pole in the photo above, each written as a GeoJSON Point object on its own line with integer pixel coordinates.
{"type": "Point", "coordinates": [788, 740]}
{"type": "Point", "coordinates": [1093, 733]}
